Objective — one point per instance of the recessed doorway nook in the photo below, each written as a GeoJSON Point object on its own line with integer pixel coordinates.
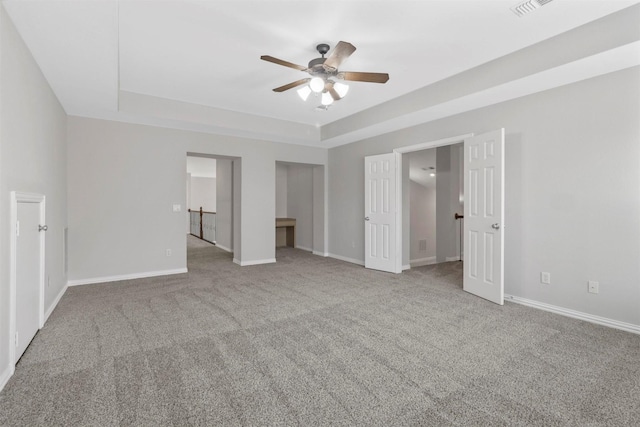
{"type": "Point", "coordinates": [301, 207]}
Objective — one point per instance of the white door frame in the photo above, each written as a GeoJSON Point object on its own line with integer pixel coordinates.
{"type": "Point", "coordinates": [410, 149]}
{"type": "Point", "coordinates": [21, 197]}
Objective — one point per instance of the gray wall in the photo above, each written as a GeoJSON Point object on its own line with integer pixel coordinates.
{"type": "Point", "coordinates": [572, 191]}
{"type": "Point", "coordinates": [406, 213]}
{"type": "Point", "coordinates": [224, 204]}
{"type": "Point", "coordinates": [33, 148]}
{"type": "Point", "coordinates": [203, 194]}
{"type": "Point", "coordinates": [236, 167]}
{"type": "Point", "coordinates": [448, 183]}
{"type": "Point", "coordinates": [423, 222]}
{"type": "Point", "coordinates": [188, 215]}
{"type": "Point", "coordinates": [300, 203]}
{"type": "Point", "coordinates": [281, 190]}
{"type": "Point", "coordinates": [150, 178]}
{"type": "Point", "coordinates": [320, 209]}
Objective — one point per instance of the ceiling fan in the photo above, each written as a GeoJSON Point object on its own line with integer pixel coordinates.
{"type": "Point", "coordinates": [324, 72]}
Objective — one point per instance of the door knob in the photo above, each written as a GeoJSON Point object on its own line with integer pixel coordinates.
{"type": "Point", "coordinates": [495, 226]}
{"type": "Point", "coordinates": [42, 228]}
{"type": "Point", "coordinates": [366, 218]}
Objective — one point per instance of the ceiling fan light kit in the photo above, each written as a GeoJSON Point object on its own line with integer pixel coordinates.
{"type": "Point", "coordinates": [304, 92]}
{"type": "Point", "coordinates": [341, 88]}
{"type": "Point", "coordinates": [324, 72]}
{"type": "Point", "coordinates": [317, 84]}
{"type": "Point", "coordinates": [326, 99]}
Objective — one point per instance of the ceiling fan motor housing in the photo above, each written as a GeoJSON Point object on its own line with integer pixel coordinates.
{"type": "Point", "coordinates": [316, 63]}
{"type": "Point", "coordinates": [316, 66]}
{"type": "Point", "coordinates": [317, 69]}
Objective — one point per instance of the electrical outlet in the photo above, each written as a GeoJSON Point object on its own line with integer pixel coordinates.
{"type": "Point", "coordinates": [177, 208]}
{"type": "Point", "coordinates": [353, 243]}
{"type": "Point", "coordinates": [593, 287]}
{"type": "Point", "coordinates": [168, 252]}
{"type": "Point", "coordinates": [545, 278]}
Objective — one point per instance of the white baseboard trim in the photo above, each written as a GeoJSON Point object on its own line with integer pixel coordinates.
{"type": "Point", "coordinates": [224, 248]}
{"type": "Point", "coordinates": [55, 302]}
{"type": "Point", "coordinates": [6, 375]}
{"type": "Point", "coordinates": [304, 248]}
{"type": "Point", "coordinates": [422, 261]}
{"type": "Point", "coordinates": [347, 259]}
{"type": "Point", "coordinates": [628, 327]}
{"type": "Point", "coordinates": [452, 258]}
{"type": "Point", "coordinates": [254, 262]}
{"type": "Point", "coordinates": [406, 267]}
{"type": "Point", "coordinates": [125, 277]}
{"type": "Point", "coordinates": [324, 254]}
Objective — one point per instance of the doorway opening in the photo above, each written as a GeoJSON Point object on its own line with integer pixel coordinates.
{"type": "Point", "coordinates": [213, 199]}
{"type": "Point", "coordinates": [435, 204]}
{"type": "Point", "coordinates": [202, 198]}
{"type": "Point", "coordinates": [403, 226]}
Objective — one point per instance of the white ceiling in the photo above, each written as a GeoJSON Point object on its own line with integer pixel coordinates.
{"type": "Point", "coordinates": [420, 163]}
{"type": "Point", "coordinates": [196, 64]}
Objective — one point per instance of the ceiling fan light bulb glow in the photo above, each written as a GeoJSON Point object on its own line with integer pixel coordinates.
{"type": "Point", "coordinates": [327, 99]}
{"type": "Point", "coordinates": [316, 84]}
{"type": "Point", "coordinates": [304, 92]}
{"type": "Point", "coordinates": [341, 88]}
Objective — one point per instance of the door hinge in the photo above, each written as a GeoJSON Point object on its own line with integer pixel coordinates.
{"type": "Point", "coordinates": [17, 340]}
{"type": "Point", "coordinates": [17, 228]}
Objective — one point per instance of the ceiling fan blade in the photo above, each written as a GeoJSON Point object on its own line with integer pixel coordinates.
{"type": "Point", "coordinates": [291, 85]}
{"type": "Point", "coordinates": [356, 76]}
{"type": "Point", "coordinates": [281, 62]}
{"type": "Point", "coordinates": [342, 51]}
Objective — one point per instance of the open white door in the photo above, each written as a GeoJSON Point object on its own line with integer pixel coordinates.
{"type": "Point", "coordinates": [483, 216]}
{"type": "Point", "coordinates": [380, 213]}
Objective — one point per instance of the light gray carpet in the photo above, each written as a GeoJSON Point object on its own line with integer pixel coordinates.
{"type": "Point", "coordinates": [315, 341]}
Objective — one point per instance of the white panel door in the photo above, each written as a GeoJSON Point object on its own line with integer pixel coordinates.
{"type": "Point", "coordinates": [483, 216]}
{"type": "Point", "coordinates": [27, 275]}
{"type": "Point", "coordinates": [380, 213]}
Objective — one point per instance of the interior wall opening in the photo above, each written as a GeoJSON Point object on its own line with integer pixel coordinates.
{"type": "Point", "coordinates": [212, 201]}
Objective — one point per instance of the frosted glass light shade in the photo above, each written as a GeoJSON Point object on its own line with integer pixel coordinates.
{"type": "Point", "coordinates": [327, 99]}
{"type": "Point", "coordinates": [304, 92]}
{"type": "Point", "coordinates": [316, 84]}
{"type": "Point", "coordinates": [341, 88]}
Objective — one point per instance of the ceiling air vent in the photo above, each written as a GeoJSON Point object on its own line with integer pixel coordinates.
{"type": "Point", "coordinates": [528, 6]}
